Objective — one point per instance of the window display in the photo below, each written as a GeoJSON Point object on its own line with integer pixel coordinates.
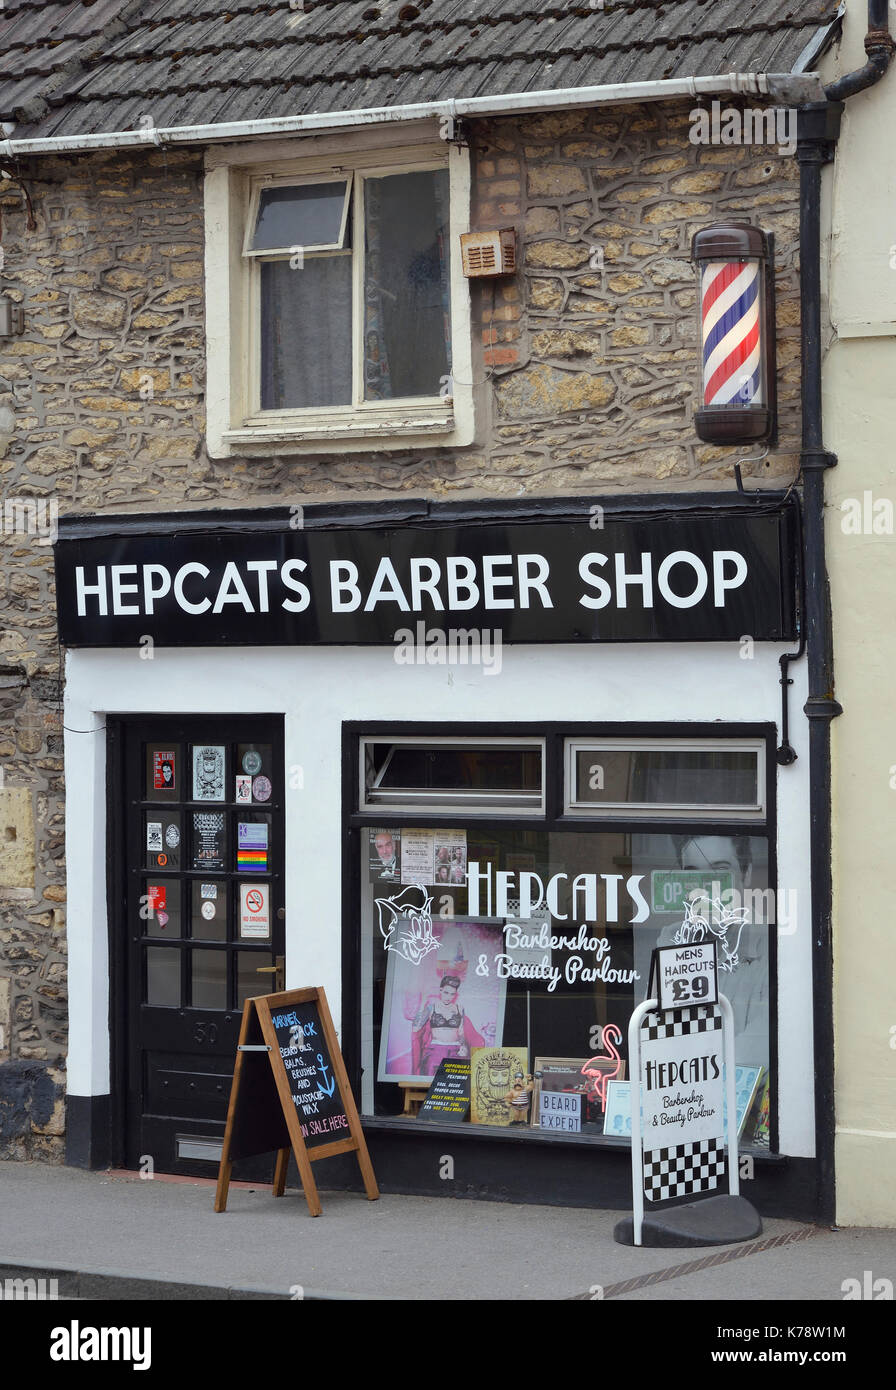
{"type": "Point", "coordinates": [516, 954]}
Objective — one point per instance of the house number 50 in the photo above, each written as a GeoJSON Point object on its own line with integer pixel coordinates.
{"type": "Point", "coordinates": [205, 1032]}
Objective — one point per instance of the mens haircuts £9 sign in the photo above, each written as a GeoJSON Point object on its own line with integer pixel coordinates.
{"type": "Point", "coordinates": [686, 975]}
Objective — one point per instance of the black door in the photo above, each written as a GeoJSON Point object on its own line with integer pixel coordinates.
{"type": "Point", "coordinates": [198, 911]}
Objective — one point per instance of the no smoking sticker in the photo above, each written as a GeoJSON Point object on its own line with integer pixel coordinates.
{"type": "Point", "coordinates": [255, 913]}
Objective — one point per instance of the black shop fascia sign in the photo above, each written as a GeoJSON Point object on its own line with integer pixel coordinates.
{"type": "Point", "coordinates": [560, 570]}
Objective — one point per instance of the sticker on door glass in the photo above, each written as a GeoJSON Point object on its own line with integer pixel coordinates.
{"type": "Point", "coordinates": [172, 837]}
{"type": "Point", "coordinates": [208, 839]}
{"type": "Point", "coordinates": [208, 910]}
{"type": "Point", "coordinates": [208, 890]}
{"type": "Point", "coordinates": [208, 772]}
{"type": "Point", "coordinates": [156, 895]}
{"type": "Point", "coordinates": [163, 772]}
{"type": "Point", "coordinates": [251, 762]}
{"type": "Point", "coordinates": [154, 836]}
{"type": "Point", "coordinates": [255, 913]}
{"type": "Point", "coordinates": [252, 847]}
{"type": "Point", "coordinates": [261, 789]}
{"type": "Point", "coordinates": [243, 789]}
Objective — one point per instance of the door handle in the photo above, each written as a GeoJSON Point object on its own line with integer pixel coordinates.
{"type": "Point", "coordinates": [278, 970]}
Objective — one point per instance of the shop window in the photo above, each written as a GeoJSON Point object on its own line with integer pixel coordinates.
{"type": "Point", "coordinates": [502, 959]}
{"type": "Point", "coordinates": [343, 312]}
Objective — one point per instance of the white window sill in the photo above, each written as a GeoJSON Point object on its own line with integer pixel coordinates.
{"type": "Point", "coordinates": [363, 432]}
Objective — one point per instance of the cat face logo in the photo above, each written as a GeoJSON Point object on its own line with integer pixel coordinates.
{"type": "Point", "coordinates": [405, 923]}
{"type": "Point", "coordinates": [707, 918]}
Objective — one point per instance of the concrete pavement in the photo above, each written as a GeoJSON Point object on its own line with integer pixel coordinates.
{"type": "Point", "coordinates": [108, 1235]}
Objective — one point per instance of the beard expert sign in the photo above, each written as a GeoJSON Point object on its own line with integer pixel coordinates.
{"type": "Point", "coordinates": [701, 576]}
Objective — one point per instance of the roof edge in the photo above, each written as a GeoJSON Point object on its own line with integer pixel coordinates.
{"type": "Point", "coordinates": [789, 88]}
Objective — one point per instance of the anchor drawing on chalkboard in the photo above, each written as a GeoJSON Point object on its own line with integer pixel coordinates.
{"type": "Point", "coordinates": [323, 1077]}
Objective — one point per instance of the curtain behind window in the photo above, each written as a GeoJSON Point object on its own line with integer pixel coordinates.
{"type": "Point", "coordinates": [306, 327]}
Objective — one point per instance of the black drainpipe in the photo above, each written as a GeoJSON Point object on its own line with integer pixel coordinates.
{"type": "Point", "coordinates": [818, 127]}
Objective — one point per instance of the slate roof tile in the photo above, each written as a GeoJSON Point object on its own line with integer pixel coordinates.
{"type": "Point", "coordinates": [84, 66]}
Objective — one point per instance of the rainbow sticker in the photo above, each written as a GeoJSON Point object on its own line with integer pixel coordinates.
{"type": "Point", "coordinates": [252, 847]}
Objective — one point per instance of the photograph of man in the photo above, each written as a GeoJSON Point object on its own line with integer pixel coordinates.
{"type": "Point", "coordinates": [746, 983]}
{"type": "Point", "coordinates": [384, 855]}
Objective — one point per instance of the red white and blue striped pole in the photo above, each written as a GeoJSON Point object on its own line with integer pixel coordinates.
{"type": "Point", "coordinates": [731, 267]}
{"type": "Point", "coordinates": [730, 313]}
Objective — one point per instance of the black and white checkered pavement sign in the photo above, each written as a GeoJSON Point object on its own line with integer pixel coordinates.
{"type": "Point", "coordinates": [684, 1133]}
{"type": "Point", "coordinates": [676, 1023]}
{"type": "Point", "coordinates": [683, 1170]}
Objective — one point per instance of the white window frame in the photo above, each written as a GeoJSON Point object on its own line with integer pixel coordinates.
{"type": "Point", "coordinates": [658, 810]}
{"type": "Point", "coordinates": [466, 803]}
{"type": "Point", "coordinates": [234, 178]}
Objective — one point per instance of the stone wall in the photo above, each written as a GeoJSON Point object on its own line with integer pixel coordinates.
{"type": "Point", "coordinates": [590, 362]}
{"type": "Point", "coordinates": [594, 345]}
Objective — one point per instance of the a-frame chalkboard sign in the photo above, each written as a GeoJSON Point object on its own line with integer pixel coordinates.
{"type": "Point", "coordinates": [290, 1091]}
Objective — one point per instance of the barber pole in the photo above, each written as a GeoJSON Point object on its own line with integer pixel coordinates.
{"type": "Point", "coordinates": [730, 309]}
{"type": "Point", "coordinates": [735, 310]}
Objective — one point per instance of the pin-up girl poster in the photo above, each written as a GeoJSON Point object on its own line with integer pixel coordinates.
{"type": "Point", "coordinates": [442, 1006]}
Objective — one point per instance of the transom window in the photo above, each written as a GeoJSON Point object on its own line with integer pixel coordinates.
{"type": "Point", "coordinates": [471, 775]}
{"type": "Point", "coordinates": [653, 777]}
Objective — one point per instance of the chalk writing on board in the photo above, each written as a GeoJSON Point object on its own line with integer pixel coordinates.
{"type": "Point", "coordinates": [310, 1074]}
{"type": "Point", "coordinates": [298, 1096]}
{"type": "Point", "coordinates": [330, 1124]}
{"type": "Point", "coordinates": [304, 1080]}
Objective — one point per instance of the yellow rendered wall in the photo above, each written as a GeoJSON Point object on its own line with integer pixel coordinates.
{"type": "Point", "coordinates": [860, 427]}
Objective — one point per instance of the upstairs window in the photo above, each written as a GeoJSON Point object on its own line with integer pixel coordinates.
{"type": "Point", "coordinates": [347, 312]}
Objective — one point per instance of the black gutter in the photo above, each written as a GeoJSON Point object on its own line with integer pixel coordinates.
{"type": "Point", "coordinates": [818, 128]}
{"type": "Point", "coordinates": [879, 48]}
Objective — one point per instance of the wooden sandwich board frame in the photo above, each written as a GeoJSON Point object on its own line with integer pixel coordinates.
{"type": "Point", "coordinates": [261, 1116]}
